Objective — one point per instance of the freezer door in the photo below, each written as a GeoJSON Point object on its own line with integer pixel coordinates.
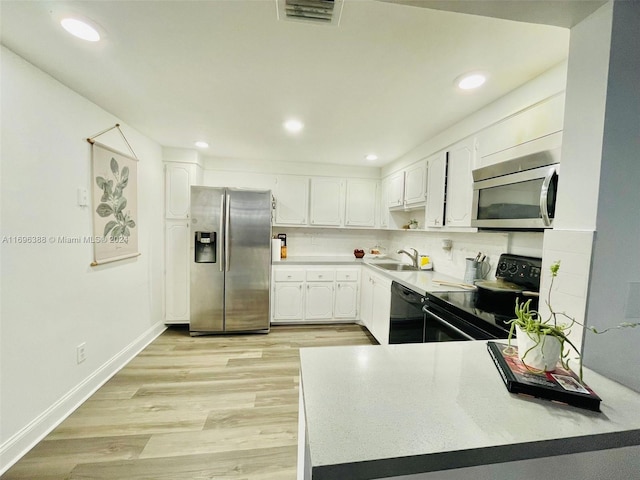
{"type": "Point", "coordinates": [248, 260]}
{"type": "Point", "coordinates": [206, 257]}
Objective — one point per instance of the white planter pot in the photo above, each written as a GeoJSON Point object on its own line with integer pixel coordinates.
{"type": "Point", "coordinates": [538, 352]}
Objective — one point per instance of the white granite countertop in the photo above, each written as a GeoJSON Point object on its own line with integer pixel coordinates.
{"type": "Point", "coordinates": [421, 281]}
{"type": "Point", "coordinates": [380, 411]}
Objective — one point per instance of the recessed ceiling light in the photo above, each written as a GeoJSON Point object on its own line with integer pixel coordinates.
{"type": "Point", "coordinates": [471, 81]}
{"type": "Point", "coordinates": [293, 126]}
{"type": "Point", "coordinates": [371, 157]}
{"type": "Point", "coordinates": [201, 144]}
{"type": "Point", "coordinates": [80, 29]}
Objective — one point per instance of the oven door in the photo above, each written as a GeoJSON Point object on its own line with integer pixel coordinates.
{"type": "Point", "coordinates": [442, 325]}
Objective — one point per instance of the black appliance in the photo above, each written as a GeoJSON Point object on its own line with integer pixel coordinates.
{"type": "Point", "coordinates": [406, 318]}
{"type": "Point", "coordinates": [463, 315]}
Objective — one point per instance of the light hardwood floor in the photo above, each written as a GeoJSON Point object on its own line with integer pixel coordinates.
{"type": "Point", "coordinates": [211, 407]}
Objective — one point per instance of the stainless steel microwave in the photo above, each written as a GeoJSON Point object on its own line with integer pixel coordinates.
{"type": "Point", "coordinates": [517, 194]}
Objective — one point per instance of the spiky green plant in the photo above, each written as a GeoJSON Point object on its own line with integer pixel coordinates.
{"type": "Point", "coordinates": [538, 328]}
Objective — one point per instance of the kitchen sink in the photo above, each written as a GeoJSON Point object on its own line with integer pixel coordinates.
{"type": "Point", "coordinates": [396, 267]}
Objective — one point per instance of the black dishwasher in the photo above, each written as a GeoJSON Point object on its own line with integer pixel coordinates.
{"type": "Point", "coordinates": [406, 317]}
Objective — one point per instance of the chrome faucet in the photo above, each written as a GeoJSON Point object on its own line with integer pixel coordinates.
{"type": "Point", "coordinates": [413, 257]}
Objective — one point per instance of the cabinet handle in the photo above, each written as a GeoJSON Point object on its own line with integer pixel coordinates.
{"type": "Point", "coordinates": [319, 276]}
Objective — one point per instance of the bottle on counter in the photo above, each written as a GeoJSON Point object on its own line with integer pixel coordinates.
{"type": "Point", "coordinates": [283, 245]}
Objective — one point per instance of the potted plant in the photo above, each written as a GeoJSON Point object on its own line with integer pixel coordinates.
{"type": "Point", "coordinates": [542, 343]}
{"type": "Point", "coordinates": [413, 224]}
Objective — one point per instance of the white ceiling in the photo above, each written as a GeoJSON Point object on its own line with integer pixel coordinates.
{"type": "Point", "coordinates": [229, 72]}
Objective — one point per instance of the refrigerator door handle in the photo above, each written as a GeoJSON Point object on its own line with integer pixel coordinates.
{"type": "Point", "coordinates": [221, 231]}
{"type": "Point", "coordinates": [227, 233]}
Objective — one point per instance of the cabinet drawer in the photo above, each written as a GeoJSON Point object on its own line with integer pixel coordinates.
{"type": "Point", "coordinates": [347, 275]}
{"type": "Point", "coordinates": [289, 276]}
{"type": "Point", "coordinates": [324, 275]}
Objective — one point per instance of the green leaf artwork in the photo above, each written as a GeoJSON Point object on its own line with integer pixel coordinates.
{"type": "Point", "coordinates": [113, 203]}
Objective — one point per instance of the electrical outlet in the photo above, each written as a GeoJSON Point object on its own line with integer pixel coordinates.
{"type": "Point", "coordinates": [81, 352]}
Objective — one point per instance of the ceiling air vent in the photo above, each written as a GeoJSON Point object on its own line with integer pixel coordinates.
{"type": "Point", "coordinates": [323, 12]}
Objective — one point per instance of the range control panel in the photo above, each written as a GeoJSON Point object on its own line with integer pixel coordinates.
{"type": "Point", "coordinates": [523, 271]}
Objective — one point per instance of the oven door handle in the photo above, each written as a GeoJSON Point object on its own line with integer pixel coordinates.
{"type": "Point", "coordinates": [443, 322]}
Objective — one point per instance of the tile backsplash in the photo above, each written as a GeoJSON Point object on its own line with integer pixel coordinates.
{"type": "Point", "coordinates": [333, 241]}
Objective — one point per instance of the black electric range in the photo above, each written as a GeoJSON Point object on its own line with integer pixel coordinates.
{"type": "Point", "coordinates": [475, 315]}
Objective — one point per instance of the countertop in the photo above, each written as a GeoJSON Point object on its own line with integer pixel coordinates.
{"type": "Point", "coordinates": [420, 281]}
{"type": "Point", "coordinates": [380, 411]}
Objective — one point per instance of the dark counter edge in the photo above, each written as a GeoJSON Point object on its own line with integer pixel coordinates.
{"type": "Point", "coordinates": [391, 467]}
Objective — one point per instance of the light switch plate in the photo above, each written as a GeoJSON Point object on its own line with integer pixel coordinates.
{"type": "Point", "coordinates": [83, 197]}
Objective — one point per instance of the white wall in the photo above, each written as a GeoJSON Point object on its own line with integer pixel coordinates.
{"type": "Point", "coordinates": [542, 87]}
{"type": "Point", "coordinates": [614, 286]}
{"type": "Point", "coordinates": [51, 299]}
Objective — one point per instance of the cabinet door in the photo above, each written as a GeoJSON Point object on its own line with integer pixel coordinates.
{"type": "Point", "coordinates": [396, 190]}
{"type": "Point", "coordinates": [436, 174]}
{"type": "Point", "coordinates": [384, 203]}
{"type": "Point", "coordinates": [459, 185]}
{"type": "Point", "coordinates": [177, 272]}
{"type": "Point", "coordinates": [346, 300]}
{"type": "Point", "coordinates": [366, 300]}
{"type": "Point", "coordinates": [178, 178]}
{"type": "Point", "coordinates": [326, 201]}
{"type": "Point", "coordinates": [361, 203]}
{"type": "Point", "coordinates": [536, 121]}
{"type": "Point", "coordinates": [288, 301]}
{"type": "Point", "coordinates": [415, 183]}
{"type": "Point", "coordinates": [381, 307]}
{"type": "Point", "coordinates": [292, 200]}
{"type": "Point", "coordinates": [319, 301]}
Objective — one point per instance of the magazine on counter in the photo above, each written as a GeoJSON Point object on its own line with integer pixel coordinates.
{"type": "Point", "coordinates": [560, 385]}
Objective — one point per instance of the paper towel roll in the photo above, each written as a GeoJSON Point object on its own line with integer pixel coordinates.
{"type": "Point", "coordinates": [276, 243]}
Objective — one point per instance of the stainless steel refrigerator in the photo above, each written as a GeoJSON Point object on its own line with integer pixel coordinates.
{"type": "Point", "coordinates": [230, 260]}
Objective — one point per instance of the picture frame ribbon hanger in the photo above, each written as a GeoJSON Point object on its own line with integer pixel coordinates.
{"type": "Point", "coordinates": [91, 139]}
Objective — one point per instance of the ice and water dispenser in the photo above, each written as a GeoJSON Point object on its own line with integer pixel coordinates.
{"type": "Point", "coordinates": [205, 247]}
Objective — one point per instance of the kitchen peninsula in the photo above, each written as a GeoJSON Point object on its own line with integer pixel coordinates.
{"type": "Point", "coordinates": [440, 411]}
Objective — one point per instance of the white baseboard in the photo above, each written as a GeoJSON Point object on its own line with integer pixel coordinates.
{"type": "Point", "coordinates": [20, 443]}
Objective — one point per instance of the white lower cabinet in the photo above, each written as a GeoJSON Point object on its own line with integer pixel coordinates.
{"type": "Point", "coordinates": [314, 294]}
{"type": "Point", "coordinates": [346, 298]}
{"type": "Point", "coordinates": [176, 308]}
{"type": "Point", "coordinates": [376, 305]}
{"type": "Point", "coordinates": [318, 304]}
{"type": "Point", "coordinates": [288, 301]}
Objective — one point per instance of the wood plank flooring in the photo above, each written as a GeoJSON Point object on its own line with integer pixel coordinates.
{"type": "Point", "coordinates": [210, 407]}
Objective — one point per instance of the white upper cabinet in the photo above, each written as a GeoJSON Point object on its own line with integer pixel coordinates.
{"type": "Point", "coordinates": [539, 120]}
{"type": "Point", "coordinates": [384, 203]}
{"type": "Point", "coordinates": [459, 193]}
{"type": "Point", "coordinates": [178, 179]}
{"type": "Point", "coordinates": [395, 193]}
{"type": "Point", "coordinates": [292, 200]}
{"type": "Point", "coordinates": [450, 187]}
{"type": "Point", "coordinates": [361, 202]}
{"type": "Point", "coordinates": [415, 183]}
{"type": "Point", "coordinates": [327, 201]}
{"type": "Point", "coordinates": [408, 187]}
{"type": "Point", "coordinates": [436, 178]}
